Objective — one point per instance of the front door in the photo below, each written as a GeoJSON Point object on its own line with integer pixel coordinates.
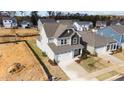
{"type": "Point", "coordinates": [76, 52]}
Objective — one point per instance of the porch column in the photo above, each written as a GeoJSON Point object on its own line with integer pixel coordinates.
{"type": "Point", "coordinates": [81, 51]}
{"type": "Point", "coordinates": [116, 46]}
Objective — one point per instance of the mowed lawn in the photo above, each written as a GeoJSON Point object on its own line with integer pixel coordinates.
{"type": "Point", "coordinates": [92, 64]}
{"type": "Point", "coordinates": [55, 71]}
{"type": "Point", "coordinates": [106, 75]}
{"type": "Point", "coordinates": [120, 55]}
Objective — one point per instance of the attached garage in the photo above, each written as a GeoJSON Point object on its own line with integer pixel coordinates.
{"type": "Point", "coordinates": [65, 56]}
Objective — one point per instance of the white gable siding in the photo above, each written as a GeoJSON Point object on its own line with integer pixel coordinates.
{"type": "Point", "coordinates": [7, 23]}
{"type": "Point", "coordinates": [43, 43]}
{"type": "Point", "coordinates": [45, 48]}
{"type": "Point", "coordinates": [42, 33]}
{"type": "Point", "coordinates": [77, 26]}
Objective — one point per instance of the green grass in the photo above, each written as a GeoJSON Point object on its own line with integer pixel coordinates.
{"type": "Point", "coordinates": [96, 64]}
{"type": "Point", "coordinates": [106, 75]}
{"type": "Point", "coordinates": [32, 43]}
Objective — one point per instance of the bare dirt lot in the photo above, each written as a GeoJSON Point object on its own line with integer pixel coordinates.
{"type": "Point", "coordinates": [18, 34]}
{"type": "Point", "coordinates": [11, 53]}
{"type": "Point", "coordinates": [4, 31]}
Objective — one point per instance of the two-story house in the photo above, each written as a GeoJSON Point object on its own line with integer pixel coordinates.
{"type": "Point", "coordinates": [101, 24]}
{"type": "Point", "coordinates": [9, 22]}
{"type": "Point", "coordinates": [115, 32]}
{"type": "Point", "coordinates": [59, 42]}
{"type": "Point", "coordinates": [82, 25]}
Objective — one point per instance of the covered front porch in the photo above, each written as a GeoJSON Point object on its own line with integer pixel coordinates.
{"type": "Point", "coordinates": [111, 47]}
{"type": "Point", "coordinates": [77, 52]}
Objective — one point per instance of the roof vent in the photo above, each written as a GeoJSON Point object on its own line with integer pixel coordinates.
{"type": "Point", "coordinates": [68, 31]}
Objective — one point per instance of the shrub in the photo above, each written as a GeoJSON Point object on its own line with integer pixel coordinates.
{"type": "Point", "coordinates": [44, 54]}
{"type": "Point", "coordinates": [53, 63]}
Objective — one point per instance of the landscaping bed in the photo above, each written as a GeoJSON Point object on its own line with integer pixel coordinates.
{"type": "Point", "coordinates": [106, 75]}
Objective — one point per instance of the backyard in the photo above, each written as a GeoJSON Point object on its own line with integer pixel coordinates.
{"type": "Point", "coordinates": [18, 34]}
{"type": "Point", "coordinates": [56, 71]}
{"type": "Point", "coordinates": [92, 64]}
{"type": "Point", "coordinates": [17, 62]}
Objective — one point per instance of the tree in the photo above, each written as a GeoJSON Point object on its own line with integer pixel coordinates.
{"type": "Point", "coordinates": [34, 17]}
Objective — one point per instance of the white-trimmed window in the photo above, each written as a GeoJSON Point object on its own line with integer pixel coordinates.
{"type": "Point", "coordinates": [74, 40]}
{"type": "Point", "coordinates": [63, 41]}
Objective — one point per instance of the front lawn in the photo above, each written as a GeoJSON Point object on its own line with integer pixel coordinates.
{"type": "Point", "coordinates": [92, 64]}
{"type": "Point", "coordinates": [120, 55]}
{"type": "Point", "coordinates": [106, 75]}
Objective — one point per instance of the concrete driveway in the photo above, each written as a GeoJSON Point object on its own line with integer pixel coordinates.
{"type": "Point", "coordinates": [73, 70]}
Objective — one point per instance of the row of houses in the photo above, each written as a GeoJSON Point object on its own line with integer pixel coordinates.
{"type": "Point", "coordinates": [11, 22]}
{"type": "Point", "coordinates": [64, 40]}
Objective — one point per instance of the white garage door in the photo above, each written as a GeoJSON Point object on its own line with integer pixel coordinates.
{"type": "Point", "coordinates": [65, 56]}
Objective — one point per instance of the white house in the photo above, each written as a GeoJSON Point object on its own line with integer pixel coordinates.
{"type": "Point", "coordinates": [82, 25]}
{"type": "Point", "coordinates": [9, 22]}
{"type": "Point", "coordinates": [101, 24]}
{"type": "Point", "coordinates": [26, 24]}
{"type": "Point", "coordinates": [59, 42]}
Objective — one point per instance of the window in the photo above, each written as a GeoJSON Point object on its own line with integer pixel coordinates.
{"type": "Point", "coordinates": [65, 41]}
{"type": "Point", "coordinates": [62, 42]}
{"type": "Point", "coordinates": [75, 41]}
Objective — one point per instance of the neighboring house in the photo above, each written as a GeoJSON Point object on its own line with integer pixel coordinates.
{"type": "Point", "coordinates": [95, 43]}
{"type": "Point", "coordinates": [59, 42]}
{"type": "Point", "coordinates": [115, 32]}
{"type": "Point", "coordinates": [83, 25]}
{"type": "Point", "coordinates": [65, 22]}
{"type": "Point", "coordinates": [115, 22]}
{"type": "Point", "coordinates": [101, 24]}
{"type": "Point", "coordinates": [26, 24]}
{"type": "Point", "coordinates": [9, 22]}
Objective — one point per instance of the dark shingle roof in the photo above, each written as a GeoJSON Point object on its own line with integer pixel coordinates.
{"type": "Point", "coordinates": [94, 39]}
{"type": "Point", "coordinates": [65, 22]}
{"type": "Point", "coordinates": [100, 22]}
{"type": "Point", "coordinates": [118, 28]}
{"type": "Point", "coordinates": [84, 22]}
{"type": "Point", "coordinates": [50, 29]}
{"type": "Point", "coordinates": [65, 48]}
{"type": "Point", "coordinates": [54, 29]}
{"type": "Point", "coordinates": [61, 28]}
{"type": "Point", "coordinates": [47, 20]}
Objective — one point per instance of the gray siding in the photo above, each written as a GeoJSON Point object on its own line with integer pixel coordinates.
{"type": "Point", "coordinates": [73, 37]}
